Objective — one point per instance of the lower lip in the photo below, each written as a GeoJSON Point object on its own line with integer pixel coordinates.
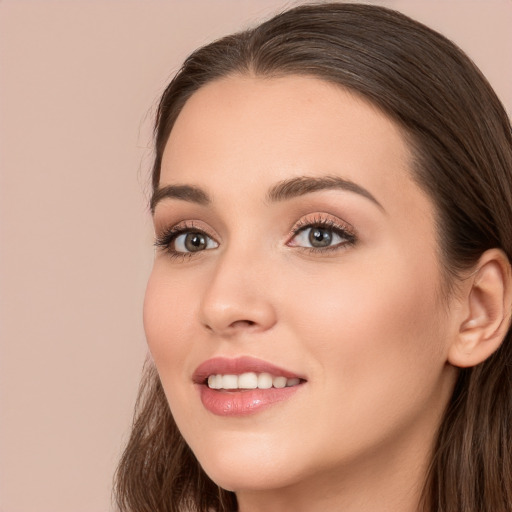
{"type": "Point", "coordinates": [243, 403]}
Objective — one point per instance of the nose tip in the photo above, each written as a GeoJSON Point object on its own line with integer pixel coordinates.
{"type": "Point", "coordinates": [235, 303]}
{"type": "Point", "coordinates": [229, 319]}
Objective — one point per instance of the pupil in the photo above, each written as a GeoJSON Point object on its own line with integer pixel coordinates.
{"type": "Point", "coordinates": [320, 237]}
{"type": "Point", "coordinates": [195, 242]}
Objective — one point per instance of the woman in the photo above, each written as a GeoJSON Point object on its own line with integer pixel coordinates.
{"type": "Point", "coordinates": [329, 308]}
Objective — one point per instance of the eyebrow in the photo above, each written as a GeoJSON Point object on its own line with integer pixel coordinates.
{"type": "Point", "coordinates": [184, 192]}
{"type": "Point", "coordinates": [282, 191]}
{"type": "Point", "coordinates": [301, 185]}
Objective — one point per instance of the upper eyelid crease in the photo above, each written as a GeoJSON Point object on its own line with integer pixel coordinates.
{"type": "Point", "coordinates": [287, 189]}
{"type": "Point", "coordinates": [323, 220]}
{"type": "Point", "coordinates": [184, 227]}
{"type": "Point", "coordinates": [341, 228]}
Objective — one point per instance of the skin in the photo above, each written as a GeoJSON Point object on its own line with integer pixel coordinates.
{"type": "Point", "coordinates": [365, 323]}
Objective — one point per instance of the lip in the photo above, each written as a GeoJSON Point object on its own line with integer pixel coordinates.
{"type": "Point", "coordinates": [237, 366]}
{"type": "Point", "coordinates": [241, 402]}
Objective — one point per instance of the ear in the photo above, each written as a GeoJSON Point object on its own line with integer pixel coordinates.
{"type": "Point", "coordinates": [485, 312]}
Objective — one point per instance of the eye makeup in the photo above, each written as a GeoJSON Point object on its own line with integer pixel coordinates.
{"type": "Point", "coordinates": [322, 228]}
{"type": "Point", "coordinates": [318, 233]}
{"type": "Point", "coordinates": [167, 240]}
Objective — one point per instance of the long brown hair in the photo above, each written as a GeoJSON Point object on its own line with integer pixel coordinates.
{"type": "Point", "coordinates": [461, 140]}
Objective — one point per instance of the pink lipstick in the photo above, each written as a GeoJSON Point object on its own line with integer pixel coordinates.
{"type": "Point", "coordinates": [242, 386]}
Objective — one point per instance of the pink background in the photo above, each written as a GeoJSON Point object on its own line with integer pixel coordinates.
{"type": "Point", "coordinates": [78, 85]}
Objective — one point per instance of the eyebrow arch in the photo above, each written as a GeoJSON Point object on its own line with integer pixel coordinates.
{"type": "Point", "coordinates": [301, 185]}
{"type": "Point", "coordinates": [183, 192]}
{"type": "Point", "coordinates": [287, 189]}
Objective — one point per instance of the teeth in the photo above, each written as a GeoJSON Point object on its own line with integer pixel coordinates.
{"type": "Point", "coordinates": [264, 381]}
{"type": "Point", "coordinates": [230, 381]}
{"type": "Point", "coordinates": [279, 382]}
{"type": "Point", "coordinates": [215, 381]}
{"type": "Point", "coordinates": [250, 380]}
{"type": "Point", "coordinates": [247, 381]}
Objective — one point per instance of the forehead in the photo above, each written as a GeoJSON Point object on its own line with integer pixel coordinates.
{"type": "Point", "coordinates": [244, 133]}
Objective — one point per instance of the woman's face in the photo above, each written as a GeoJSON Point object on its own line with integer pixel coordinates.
{"type": "Point", "coordinates": [295, 249]}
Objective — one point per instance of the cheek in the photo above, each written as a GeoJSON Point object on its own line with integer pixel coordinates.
{"type": "Point", "coordinates": [361, 298]}
{"type": "Point", "coordinates": [167, 320]}
{"type": "Point", "coordinates": [169, 329]}
{"type": "Point", "coordinates": [373, 329]}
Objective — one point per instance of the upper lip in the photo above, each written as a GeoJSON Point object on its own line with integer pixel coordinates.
{"type": "Point", "coordinates": [237, 366]}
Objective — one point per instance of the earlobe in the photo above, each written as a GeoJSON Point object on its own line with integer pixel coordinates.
{"type": "Point", "coordinates": [488, 307]}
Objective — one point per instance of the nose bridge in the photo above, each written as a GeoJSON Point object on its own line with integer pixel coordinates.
{"type": "Point", "coordinates": [238, 296]}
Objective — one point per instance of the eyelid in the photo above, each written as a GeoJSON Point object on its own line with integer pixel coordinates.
{"type": "Point", "coordinates": [324, 220]}
{"type": "Point", "coordinates": [343, 230]}
{"type": "Point", "coordinates": [165, 236]}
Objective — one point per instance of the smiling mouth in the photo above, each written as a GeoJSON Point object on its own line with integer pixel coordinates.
{"type": "Point", "coordinates": [243, 386]}
{"type": "Point", "coordinates": [250, 380]}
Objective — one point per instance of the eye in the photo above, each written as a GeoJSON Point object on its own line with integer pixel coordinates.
{"type": "Point", "coordinates": [185, 240]}
{"type": "Point", "coordinates": [193, 241]}
{"type": "Point", "coordinates": [321, 235]}
{"type": "Point", "coordinates": [317, 237]}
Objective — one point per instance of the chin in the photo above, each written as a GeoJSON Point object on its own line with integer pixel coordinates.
{"type": "Point", "coordinates": [248, 477]}
{"type": "Point", "coordinates": [247, 465]}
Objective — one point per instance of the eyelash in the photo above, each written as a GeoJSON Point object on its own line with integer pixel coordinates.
{"type": "Point", "coordinates": [166, 239]}
{"type": "Point", "coordinates": [343, 231]}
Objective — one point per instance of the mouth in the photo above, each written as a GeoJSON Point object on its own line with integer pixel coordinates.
{"type": "Point", "coordinates": [245, 385]}
{"type": "Point", "coordinates": [250, 380]}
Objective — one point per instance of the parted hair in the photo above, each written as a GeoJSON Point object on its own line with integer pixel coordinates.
{"type": "Point", "coordinates": [461, 141]}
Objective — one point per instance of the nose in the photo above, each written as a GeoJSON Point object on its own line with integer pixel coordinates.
{"type": "Point", "coordinates": [238, 297]}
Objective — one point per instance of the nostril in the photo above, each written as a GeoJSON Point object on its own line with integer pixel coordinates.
{"type": "Point", "coordinates": [243, 323]}
{"type": "Point", "coordinates": [238, 324]}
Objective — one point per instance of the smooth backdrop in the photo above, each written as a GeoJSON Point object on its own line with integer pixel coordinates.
{"type": "Point", "coordinates": [78, 84]}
